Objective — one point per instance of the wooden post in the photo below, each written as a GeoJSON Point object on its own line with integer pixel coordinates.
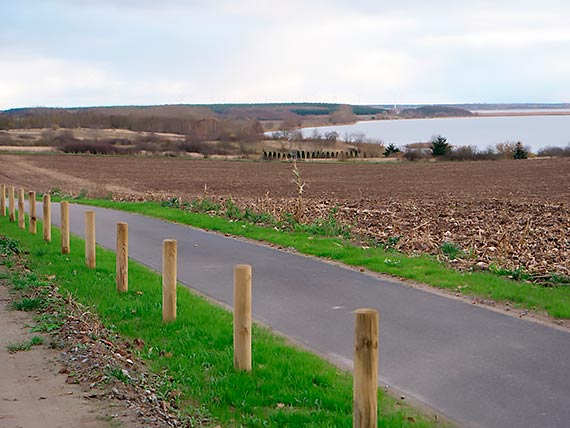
{"type": "Point", "coordinates": [47, 218]}
{"type": "Point", "coordinates": [90, 253]}
{"type": "Point", "coordinates": [3, 200]}
{"type": "Point", "coordinates": [64, 208]}
{"type": "Point", "coordinates": [12, 207]}
{"type": "Point", "coordinates": [169, 279]}
{"type": "Point", "coordinates": [366, 369]}
{"type": "Point", "coordinates": [33, 214]}
{"type": "Point", "coordinates": [21, 209]}
{"type": "Point", "coordinates": [242, 317]}
{"type": "Point", "coordinates": [122, 257]}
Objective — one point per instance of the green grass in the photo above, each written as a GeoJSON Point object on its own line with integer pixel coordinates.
{"type": "Point", "coordinates": [27, 304]}
{"type": "Point", "coordinates": [288, 387]}
{"type": "Point", "coordinates": [26, 345]}
{"type": "Point", "coordinates": [452, 250]}
{"type": "Point", "coordinates": [425, 269]}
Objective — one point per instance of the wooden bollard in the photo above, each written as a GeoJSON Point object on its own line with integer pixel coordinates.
{"type": "Point", "coordinates": [47, 218]}
{"type": "Point", "coordinates": [11, 203]}
{"type": "Point", "coordinates": [242, 317]}
{"type": "Point", "coordinates": [33, 215]}
{"type": "Point", "coordinates": [366, 369]}
{"type": "Point", "coordinates": [21, 209]}
{"type": "Point", "coordinates": [64, 208]}
{"type": "Point", "coordinates": [3, 200]}
{"type": "Point", "coordinates": [169, 279]}
{"type": "Point", "coordinates": [122, 257]}
{"type": "Point", "coordinates": [90, 253]}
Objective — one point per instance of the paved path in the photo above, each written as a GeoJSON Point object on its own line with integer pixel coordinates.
{"type": "Point", "coordinates": [478, 367]}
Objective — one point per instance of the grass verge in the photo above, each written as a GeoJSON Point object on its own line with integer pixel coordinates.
{"type": "Point", "coordinates": [287, 387]}
{"type": "Point", "coordinates": [555, 301]}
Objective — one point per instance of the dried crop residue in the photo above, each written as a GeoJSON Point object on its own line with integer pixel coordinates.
{"type": "Point", "coordinates": [512, 214]}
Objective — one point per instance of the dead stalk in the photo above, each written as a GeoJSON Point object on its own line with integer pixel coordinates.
{"type": "Point", "coordinates": [300, 184]}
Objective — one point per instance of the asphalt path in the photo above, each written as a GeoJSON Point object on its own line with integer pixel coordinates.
{"type": "Point", "coordinates": [478, 367]}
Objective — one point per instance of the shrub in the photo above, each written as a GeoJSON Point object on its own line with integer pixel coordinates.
{"type": "Point", "coordinates": [461, 153]}
{"type": "Point", "coordinates": [205, 206]}
{"type": "Point", "coordinates": [390, 150]}
{"type": "Point", "coordinates": [195, 147]}
{"type": "Point", "coordinates": [452, 250]}
{"type": "Point", "coordinates": [439, 146]}
{"type": "Point", "coordinates": [56, 192]}
{"type": "Point", "coordinates": [148, 143]}
{"type": "Point", "coordinates": [232, 210]}
{"type": "Point", "coordinates": [82, 194]}
{"type": "Point", "coordinates": [520, 152]}
{"type": "Point", "coordinates": [561, 152]}
{"type": "Point", "coordinates": [470, 153]}
{"type": "Point", "coordinates": [98, 147]}
{"type": "Point", "coordinates": [488, 154]}
{"type": "Point", "coordinates": [9, 245]}
{"type": "Point", "coordinates": [102, 148]}
{"type": "Point", "coordinates": [171, 203]}
{"type": "Point", "coordinates": [505, 150]}
{"type": "Point", "coordinates": [415, 155]}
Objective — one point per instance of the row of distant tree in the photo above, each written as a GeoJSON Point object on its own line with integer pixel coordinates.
{"type": "Point", "coordinates": [439, 148]}
{"type": "Point", "coordinates": [197, 128]}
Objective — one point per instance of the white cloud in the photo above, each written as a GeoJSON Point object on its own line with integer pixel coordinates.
{"type": "Point", "coordinates": [38, 80]}
{"type": "Point", "coordinates": [30, 81]}
{"type": "Point", "coordinates": [502, 38]}
{"type": "Point", "coordinates": [128, 52]}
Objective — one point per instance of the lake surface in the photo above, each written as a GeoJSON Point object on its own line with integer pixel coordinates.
{"type": "Point", "coordinates": [481, 132]}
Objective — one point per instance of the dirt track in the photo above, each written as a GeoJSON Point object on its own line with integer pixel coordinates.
{"type": "Point", "coordinates": [509, 213]}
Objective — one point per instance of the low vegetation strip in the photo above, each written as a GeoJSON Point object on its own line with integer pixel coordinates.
{"type": "Point", "coordinates": [312, 240]}
{"type": "Point", "coordinates": [286, 388]}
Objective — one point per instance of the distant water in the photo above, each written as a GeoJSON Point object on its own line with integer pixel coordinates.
{"type": "Point", "coordinates": [481, 132]}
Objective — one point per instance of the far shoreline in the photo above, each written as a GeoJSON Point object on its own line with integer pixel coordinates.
{"type": "Point", "coordinates": [476, 113]}
{"type": "Point", "coordinates": [521, 113]}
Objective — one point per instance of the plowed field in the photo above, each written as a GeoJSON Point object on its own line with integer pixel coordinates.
{"type": "Point", "coordinates": [512, 214]}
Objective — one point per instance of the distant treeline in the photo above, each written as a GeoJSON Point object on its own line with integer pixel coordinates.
{"type": "Point", "coordinates": [435, 111]}
{"type": "Point", "coordinates": [177, 115]}
{"type": "Point", "coordinates": [198, 126]}
{"type": "Point", "coordinates": [234, 122]}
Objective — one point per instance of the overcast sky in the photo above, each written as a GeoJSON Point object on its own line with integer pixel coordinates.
{"type": "Point", "coordinates": [89, 52]}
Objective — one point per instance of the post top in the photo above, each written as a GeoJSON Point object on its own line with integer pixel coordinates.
{"type": "Point", "coordinates": [364, 311]}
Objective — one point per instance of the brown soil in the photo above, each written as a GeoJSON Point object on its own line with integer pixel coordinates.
{"type": "Point", "coordinates": [511, 213]}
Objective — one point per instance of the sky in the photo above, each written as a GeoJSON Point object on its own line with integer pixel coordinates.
{"type": "Point", "coordinates": [127, 52]}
